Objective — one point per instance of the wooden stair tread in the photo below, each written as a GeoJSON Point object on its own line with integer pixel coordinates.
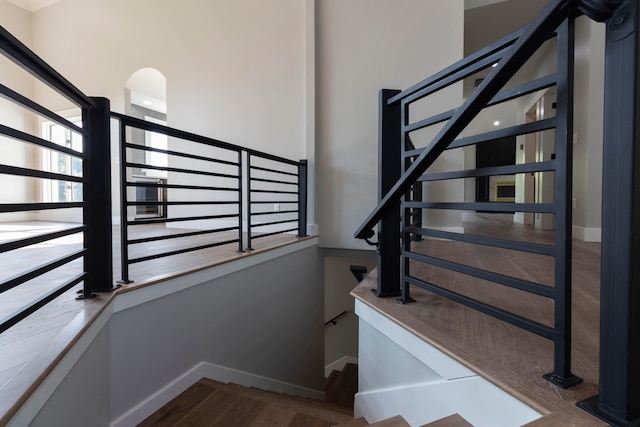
{"type": "Point", "coordinates": [358, 422]}
{"type": "Point", "coordinates": [175, 410]}
{"type": "Point", "coordinates": [454, 420]}
{"type": "Point", "coordinates": [396, 421]}
{"type": "Point", "coordinates": [318, 409]}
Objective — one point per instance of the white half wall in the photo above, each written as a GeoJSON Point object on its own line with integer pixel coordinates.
{"type": "Point", "coordinates": [401, 374]}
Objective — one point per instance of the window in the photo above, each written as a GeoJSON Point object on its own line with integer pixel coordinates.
{"type": "Point", "coordinates": [54, 161]}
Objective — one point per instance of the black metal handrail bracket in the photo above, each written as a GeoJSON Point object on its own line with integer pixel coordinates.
{"type": "Point", "coordinates": [92, 262]}
{"type": "Point", "coordinates": [398, 202]}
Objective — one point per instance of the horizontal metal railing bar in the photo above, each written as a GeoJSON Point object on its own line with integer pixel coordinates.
{"type": "Point", "coordinates": [522, 129]}
{"type": "Point", "coordinates": [181, 219]}
{"type": "Point", "coordinates": [282, 202]}
{"type": "Point", "coordinates": [180, 235]}
{"type": "Point", "coordinates": [534, 248]}
{"type": "Point", "coordinates": [484, 206]}
{"type": "Point", "coordinates": [34, 173]}
{"type": "Point", "coordinates": [462, 64]}
{"type": "Point", "coordinates": [40, 270]}
{"type": "Point", "coordinates": [176, 133]}
{"type": "Point", "coordinates": [26, 137]}
{"type": "Point", "coordinates": [547, 166]}
{"type": "Point", "coordinates": [273, 233]}
{"type": "Point", "coordinates": [180, 154]}
{"type": "Point", "coordinates": [514, 319]}
{"type": "Point", "coordinates": [459, 75]}
{"type": "Point", "coordinates": [264, 224]}
{"type": "Point", "coordinates": [273, 181]}
{"type": "Point", "coordinates": [23, 243]}
{"type": "Point", "coordinates": [23, 207]}
{"type": "Point", "coordinates": [274, 213]}
{"type": "Point", "coordinates": [273, 157]}
{"type": "Point", "coordinates": [512, 282]}
{"type": "Point", "coordinates": [39, 109]}
{"type": "Point", "coordinates": [38, 303]}
{"type": "Point", "coordinates": [259, 168]}
{"type": "Point", "coordinates": [273, 191]}
{"type": "Point", "coordinates": [504, 96]}
{"type": "Point", "coordinates": [179, 186]}
{"type": "Point", "coordinates": [181, 251]}
{"type": "Point", "coordinates": [183, 203]}
{"type": "Point", "coordinates": [32, 63]}
{"type": "Point", "coordinates": [179, 170]}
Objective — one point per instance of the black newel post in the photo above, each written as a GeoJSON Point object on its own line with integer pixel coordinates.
{"type": "Point", "coordinates": [98, 261]}
{"type": "Point", "coordinates": [390, 170]}
{"type": "Point", "coordinates": [302, 198]}
{"type": "Point", "coordinates": [619, 400]}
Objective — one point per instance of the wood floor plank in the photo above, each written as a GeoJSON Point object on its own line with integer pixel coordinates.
{"type": "Point", "coordinates": [396, 421]}
{"type": "Point", "coordinates": [454, 420]}
{"type": "Point", "coordinates": [176, 409]}
{"type": "Point", "coordinates": [242, 412]}
{"type": "Point", "coordinates": [304, 420]}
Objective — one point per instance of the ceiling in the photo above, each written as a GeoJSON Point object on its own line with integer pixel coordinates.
{"type": "Point", "coordinates": [489, 22]}
{"type": "Point", "coordinates": [32, 5]}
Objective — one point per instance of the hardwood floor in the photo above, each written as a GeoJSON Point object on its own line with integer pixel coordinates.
{"type": "Point", "coordinates": [510, 357]}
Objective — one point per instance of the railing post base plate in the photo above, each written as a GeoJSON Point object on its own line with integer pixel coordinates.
{"type": "Point", "coordinates": [81, 295]}
{"type": "Point", "coordinates": [403, 301]}
{"type": "Point", "coordinates": [592, 406]}
{"type": "Point", "coordinates": [563, 383]}
{"type": "Point", "coordinates": [124, 282]}
{"type": "Point", "coordinates": [385, 294]}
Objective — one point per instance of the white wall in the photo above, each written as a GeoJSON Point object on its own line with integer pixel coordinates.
{"type": "Point", "coordinates": [16, 190]}
{"type": "Point", "coordinates": [588, 128]}
{"type": "Point", "coordinates": [236, 71]}
{"type": "Point", "coordinates": [364, 46]}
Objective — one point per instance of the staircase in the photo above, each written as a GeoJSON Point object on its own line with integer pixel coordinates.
{"type": "Point", "coordinates": [341, 386]}
{"type": "Point", "coordinates": [212, 403]}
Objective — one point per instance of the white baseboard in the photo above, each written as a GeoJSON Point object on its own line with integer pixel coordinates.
{"type": "Point", "coordinates": [587, 234]}
{"type": "Point", "coordinates": [215, 372]}
{"type": "Point", "coordinates": [339, 365]}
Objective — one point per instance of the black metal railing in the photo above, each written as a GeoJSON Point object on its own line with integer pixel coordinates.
{"type": "Point", "coordinates": [202, 185]}
{"type": "Point", "coordinates": [618, 401]}
{"type": "Point", "coordinates": [193, 189]}
{"type": "Point", "coordinates": [82, 262]}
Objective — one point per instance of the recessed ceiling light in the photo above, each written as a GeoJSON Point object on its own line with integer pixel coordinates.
{"type": "Point", "coordinates": [496, 123]}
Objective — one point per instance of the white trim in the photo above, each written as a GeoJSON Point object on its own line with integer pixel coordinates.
{"type": "Point", "coordinates": [339, 365]}
{"type": "Point", "coordinates": [587, 234]}
{"type": "Point", "coordinates": [215, 372]}
{"type": "Point", "coordinates": [443, 365]}
{"type": "Point", "coordinates": [442, 385]}
{"type": "Point", "coordinates": [37, 400]}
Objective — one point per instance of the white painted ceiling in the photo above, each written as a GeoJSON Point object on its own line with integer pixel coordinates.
{"type": "Point", "coordinates": [32, 5]}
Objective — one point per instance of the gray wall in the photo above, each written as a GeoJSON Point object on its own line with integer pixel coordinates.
{"type": "Point", "coordinates": [265, 320]}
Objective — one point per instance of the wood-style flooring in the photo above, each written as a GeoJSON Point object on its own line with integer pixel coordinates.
{"type": "Point", "coordinates": [509, 357]}
{"type": "Point", "coordinates": [211, 403]}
